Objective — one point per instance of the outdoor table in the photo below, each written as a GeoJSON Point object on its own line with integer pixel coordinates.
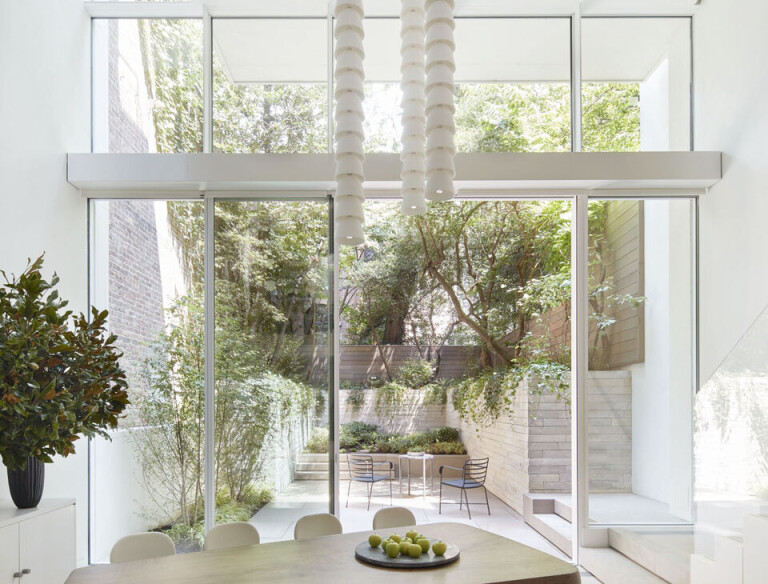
{"type": "Point", "coordinates": [485, 558]}
{"type": "Point", "coordinates": [423, 458]}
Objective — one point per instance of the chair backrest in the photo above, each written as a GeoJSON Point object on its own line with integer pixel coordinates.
{"type": "Point", "coordinates": [475, 470]}
{"type": "Point", "coordinates": [229, 535]}
{"type": "Point", "coordinates": [360, 467]}
{"type": "Point", "coordinates": [141, 546]}
{"type": "Point", "coordinates": [316, 525]}
{"type": "Point", "coordinates": [393, 517]}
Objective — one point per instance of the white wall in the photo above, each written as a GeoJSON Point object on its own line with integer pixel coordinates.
{"type": "Point", "coordinates": [731, 81]}
{"type": "Point", "coordinates": [44, 113]}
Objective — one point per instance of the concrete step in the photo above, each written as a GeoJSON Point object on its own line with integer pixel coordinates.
{"type": "Point", "coordinates": [302, 466]}
{"type": "Point", "coordinates": [554, 528]}
{"type": "Point", "coordinates": [611, 567]}
{"type": "Point", "coordinates": [664, 551]}
{"type": "Point", "coordinates": [311, 475]}
{"type": "Point", "coordinates": [311, 457]}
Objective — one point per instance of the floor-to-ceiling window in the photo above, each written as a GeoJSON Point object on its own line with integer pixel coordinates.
{"type": "Point", "coordinates": [271, 297]}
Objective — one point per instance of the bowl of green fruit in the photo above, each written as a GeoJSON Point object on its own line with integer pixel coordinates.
{"type": "Point", "coordinates": [411, 550]}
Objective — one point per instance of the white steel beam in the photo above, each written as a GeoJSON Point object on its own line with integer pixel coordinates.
{"type": "Point", "coordinates": [104, 175]}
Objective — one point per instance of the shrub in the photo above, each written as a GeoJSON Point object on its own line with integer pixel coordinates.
{"type": "Point", "coordinates": [442, 434]}
{"type": "Point", "coordinates": [358, 435]}
{"type": "Point", "coordinates": [446, 448]}
{"type": "Point", "coordinates": [318, 443]}
{"type": "Point", "coordinates": [415, 373]}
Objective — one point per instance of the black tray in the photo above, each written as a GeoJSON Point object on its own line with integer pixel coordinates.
{"type": "Point", "coordinates": [377, 557]}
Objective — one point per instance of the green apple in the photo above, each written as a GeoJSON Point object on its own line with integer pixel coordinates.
{"type": "Point", "coordinates": [439, 548]}
{"type": "Point", "coordinates": [407, 540]}
{"type": "Point", "coordinates": [395, 538]}
{"type": "Point", "coordinates": [384, 544]}
{"type": "Point", "coordinates": [393, 549]}
{"type": "Point", "coordinates": [424, 544]}
{"type": "Point", "coordinates": [374, 540]}
{"type": "Point", "coordinates": [412, 534]}
{"type": "Point", "coordinates": [414, 550]}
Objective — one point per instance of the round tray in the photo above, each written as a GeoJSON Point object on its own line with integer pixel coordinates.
{"type": "Point", "coordinates": [375, 556]}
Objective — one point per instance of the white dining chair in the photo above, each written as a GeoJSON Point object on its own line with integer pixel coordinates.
{"type": "Point", "coordinates": [230, 535]}
{"type": "Point", "coordinates": [141, 546]}
{"type": "Point", "coordinates": [393, 517]}
{"type": "Point", "coordinates": [316, 525]}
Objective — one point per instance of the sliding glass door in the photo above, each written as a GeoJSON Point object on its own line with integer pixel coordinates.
{"type": "Point", "coordinates": [271, 343]}
{"type": "Point", "coordinates": [272, 334]}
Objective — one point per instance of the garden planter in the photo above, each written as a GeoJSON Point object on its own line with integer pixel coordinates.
{"type": "Point", "coordinates": [26, 486]}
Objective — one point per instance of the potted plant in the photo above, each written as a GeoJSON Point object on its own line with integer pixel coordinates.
{"type": "Point", "coordinates": [59, 378]}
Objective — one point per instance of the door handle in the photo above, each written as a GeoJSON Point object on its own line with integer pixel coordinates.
{"type": "Point", "coordinates": [26, 571]}
{"type": "Point", "coordinates": [17, 574]}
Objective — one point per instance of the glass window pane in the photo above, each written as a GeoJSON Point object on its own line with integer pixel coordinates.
{"type": "Point", "coordinates": [147, 85]}
{"type": "Point", "coordinates": [270, 85]}
{"type": "Point", "coordinates": [636, 76]}
{"type": "Point", "coordinates": [512, 85]}
{"type": "Point", "coordinates": [271, 378]}
{"type": "Point", "coordinates": [454, 341]}
{"type": "Point", "coordinates": [641, 361]}
{"type": "Point", "coordinates": [148, 273]}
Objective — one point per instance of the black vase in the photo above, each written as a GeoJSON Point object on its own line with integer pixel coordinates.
{"type": "Point", "coordinates": [26, 486]}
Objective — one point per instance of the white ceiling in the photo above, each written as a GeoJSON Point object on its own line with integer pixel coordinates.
{"type": "Point", "coordinates": [487, 49]}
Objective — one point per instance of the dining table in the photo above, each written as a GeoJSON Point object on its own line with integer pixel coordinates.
{"type": "Point", "coordinates": [484, 558]}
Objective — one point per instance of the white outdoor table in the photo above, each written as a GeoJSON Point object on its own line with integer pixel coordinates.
{"type": "Point", "coordinates": [423, 458]}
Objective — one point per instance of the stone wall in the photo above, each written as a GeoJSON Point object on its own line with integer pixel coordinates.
{"type": "Point", "coordinates": [413, 416]}
{"type": "Point", "coordinates": [530, 449]}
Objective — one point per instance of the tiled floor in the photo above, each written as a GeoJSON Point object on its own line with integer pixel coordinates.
{"type": "Point", "coordinates": [276, 520]}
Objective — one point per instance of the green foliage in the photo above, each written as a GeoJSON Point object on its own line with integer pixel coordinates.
{"type": "Point", "coordinates": [250, 407]}
{"type": "Point", "coordinates": [356, 398]}
{"type": "Point", "coordinates": [610, 117]}
{"type": "Point", "coordinates": [482, 399]}
{"type": "Point", "coordinates": [513, 117]}
{"type": "Point", "coordinates": [446, 448]}
{"type": "Point", "coordinates": [436, 393]}
{"type": "Point", "coordinates": [358, 435]}
{"type": "Point", "coordinates": [59, 374]}
{"type": "Point", "coordinates": [318, 442]}
{"type": "Point", "coordinates": [415, 373]}
{"type": "Point", "coordinates": [389, 397]}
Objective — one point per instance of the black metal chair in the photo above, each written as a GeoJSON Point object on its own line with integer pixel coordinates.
{"type": "Point", "coordinates": [473, 475]}
{"type": "Point", "coordinates": [362, 469]}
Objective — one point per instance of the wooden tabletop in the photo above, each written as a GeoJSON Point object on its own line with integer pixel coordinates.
{"type": "Point", "coordinates": [486, 558]}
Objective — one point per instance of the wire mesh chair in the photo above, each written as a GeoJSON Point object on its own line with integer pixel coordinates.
{"type": "Point", "coordinates": [362, 469]}
{"type": "Point", "coordinates": [473, 475]}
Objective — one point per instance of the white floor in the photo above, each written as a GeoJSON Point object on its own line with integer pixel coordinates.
{"type": "Point", "coordinates": [276, 520]}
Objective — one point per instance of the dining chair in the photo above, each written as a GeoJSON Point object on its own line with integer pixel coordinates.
{"type": "Point", "coordinates": [317, 525]}
{"type": "Point", "coordinates": [362, 469]}
{"type": "Point", "coordinates": [141, 546]}
{"type": "Point", "coordinates": [230, 535]}
{"type": "Point", "coordinates": [393, 517]}
{"type": "Point", "coordinates": [473, 475]}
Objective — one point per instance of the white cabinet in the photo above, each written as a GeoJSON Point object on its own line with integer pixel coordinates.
{"type": "Point", "coordinates": [37, 546]}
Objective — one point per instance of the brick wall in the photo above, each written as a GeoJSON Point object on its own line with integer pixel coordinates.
{"type": "Point", "coordinates": [135, 288]}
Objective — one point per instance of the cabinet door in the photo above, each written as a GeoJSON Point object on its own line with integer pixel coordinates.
{"type": "Point", "coordinates": [47, 547]}
{"type": "Point", "coordinates": [9, 554]}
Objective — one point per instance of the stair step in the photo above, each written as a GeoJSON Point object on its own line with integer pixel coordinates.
{"type": "Point", "coordinates": [305, 466]}
{"type": "Point", "coordinates": [311, 475]}
{"type": "Point", "coordinates": [312, 457]}
{"type": "Point", "coordinates": [611, 567]}
{"type": "Point", "coordinates": [665, 552]}
{"type": "Point", "coordinates": [554, 528]}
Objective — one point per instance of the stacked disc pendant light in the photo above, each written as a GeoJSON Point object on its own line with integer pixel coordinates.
{"type": "Point", "coordinates": [349, 76]}
{"type": "Point", "coordinates": [440, 109]}
{"type": "Point", "coordinates": [413, 43]}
